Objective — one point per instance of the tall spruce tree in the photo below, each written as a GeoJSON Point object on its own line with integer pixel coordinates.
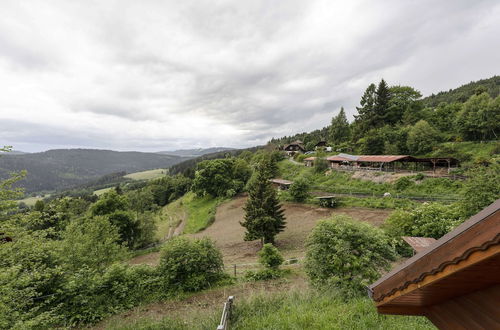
{"type": "Point", "coordinates": [366, 112]}
{"type": "Point", "coordinates": [381, 107]}
{"type": "Point", "coordinates": [264, 217]}
{"type": "Point", "coordinates": [339, 129]}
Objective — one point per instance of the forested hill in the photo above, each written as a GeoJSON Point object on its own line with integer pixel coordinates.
{"type": "Point", "coordinates": [66, 168]}
{"type": "Point", "coordinates": [395, 119]}
{"type": "Point", "coordinates": [462, 93]}
{"type": "Point", "coordinates": [195, 152]}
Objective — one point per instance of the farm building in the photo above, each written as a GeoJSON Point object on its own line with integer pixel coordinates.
{"type": "Point", "coordinates": [320, 144]}
{"type": "Point", "coordinates": [295, 147]}
{"type": "Point", "coordinates": [309, 161]}
{"type": "Point", "coordinates": [454, 282]}
{"type": "Point", "coordinates": [281, 184]}
{"type": "Point", "coordinates": [391, 163]}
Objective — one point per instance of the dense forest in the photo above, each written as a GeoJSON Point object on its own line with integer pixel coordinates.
{"type": "Point", "coordinates": [63, 169]}
{"type": "Point", "coordinates": [397, 120]}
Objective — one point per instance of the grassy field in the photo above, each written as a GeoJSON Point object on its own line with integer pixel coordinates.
{"type": "Point", "coordinates": [169, 218]}
{"type": "Point", "coordinates": [30, 201]}
{"type": "Point", "coordinates": [276, 306]}
{"type": "Point", "coordinates": [147, 175]}
{"type": "Point", "coordinates": [200, 210]}
{"type": "Point", "coordinates": [102, 191]}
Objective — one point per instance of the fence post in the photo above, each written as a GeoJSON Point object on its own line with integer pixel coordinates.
{"type": "Point", "coordinates": [234, 266]}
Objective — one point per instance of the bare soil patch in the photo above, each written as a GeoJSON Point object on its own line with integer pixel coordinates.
{"type": "Point", "coordinates": [228, 234]}
{"type": "Point", "coordinates": [301, 218]}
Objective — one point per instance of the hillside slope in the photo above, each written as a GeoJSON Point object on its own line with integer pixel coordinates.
{"type": "Point", "coordinates": [462, 93]}
{"type": "Point", "coordinates": [66, 168]}
{"type": "Point", "coordinates": [195, 152]}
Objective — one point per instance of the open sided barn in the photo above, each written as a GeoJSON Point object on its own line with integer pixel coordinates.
{"type": "Point", "coordinates": [454, 282]}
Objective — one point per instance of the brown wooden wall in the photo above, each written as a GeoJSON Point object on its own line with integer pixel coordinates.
{"type": "Point", "coordinates": [477, 310]}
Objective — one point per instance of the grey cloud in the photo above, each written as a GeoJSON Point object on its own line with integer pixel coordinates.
{"type": "Point", "coordinates": [257, 66]}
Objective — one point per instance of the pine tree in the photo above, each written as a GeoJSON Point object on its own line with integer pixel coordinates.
{"type": "Point", "coordinates": [381, 107]}
{"type": "Point", "coordinates": [339, 129]}
{"type": "Point", "coordinates": [264, 217]}
{"type": "Point", "coordinates": [366, 113]}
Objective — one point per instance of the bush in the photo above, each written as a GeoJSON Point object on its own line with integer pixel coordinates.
{"type": "Point", "coordinates": [190, 265]}
{"type": "Point", "coordinates": [89, 295]}
{"type": "Point", "coordinates": [264, 274]}
{"type": "Point", "coordinates": [346, 254]}
{"type": "Point", "coordinates": [403, 183]}
{"type": "Point", "coordinates": [299, 190]}
{"type": "Point", "coordinates": [426, 220]}
{"type": "Point", "coordinates": [481, 189]}
{"type": "Point", "coordinates": [270, 256]}
{"type": "Point", "coordinates": [321, 165]}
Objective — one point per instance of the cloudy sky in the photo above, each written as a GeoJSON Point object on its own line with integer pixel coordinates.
{"type": "Point", "coordinates": [163, 75]}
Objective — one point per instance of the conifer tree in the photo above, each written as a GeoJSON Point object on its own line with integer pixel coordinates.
{"type": "Point", "coordinates": [264, 217]}
{"type": "Point", "coordinates": [339, 129]}
{"type": "Point", "coordinates": [381, 107]}
{"type": "Point", "coordinates": [365, 116]}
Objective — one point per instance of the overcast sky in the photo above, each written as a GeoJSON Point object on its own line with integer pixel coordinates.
{"type": "Point", "coordinates": [163, 75]}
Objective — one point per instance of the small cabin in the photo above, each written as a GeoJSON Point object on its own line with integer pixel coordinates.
{"type": "Point", "coordinates": [309, 161]}
{"type": "Point", "coordinates": [454, 282]}
{"type": "Point", "coordinates": [320, 144]}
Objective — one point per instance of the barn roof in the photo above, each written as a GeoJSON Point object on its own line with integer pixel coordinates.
{"type": "Point", "coordinates": [337, 159]}
{"type": "Point", "coordinates": [368, 158]}
{"type": "Point", "coordinates": [310, 158]}
{"type": "Point", "coordinates": [382, 158]}
{"type": "Point", "coordinates": [463, 261]}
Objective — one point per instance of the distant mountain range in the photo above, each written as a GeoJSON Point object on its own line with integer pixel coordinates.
{"type": "Point", "coordinates": [66, 168]}
{"type": "Point", "coordinates": [195, 152]}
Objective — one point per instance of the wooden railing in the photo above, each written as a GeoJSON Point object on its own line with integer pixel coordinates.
{"type": "Point", "coordinates": [226, 314]}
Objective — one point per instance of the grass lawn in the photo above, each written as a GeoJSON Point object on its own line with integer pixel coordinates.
{"type": "Point", "coordinates": [285, 309]}
{"type": "Point", "coordinates": [147, 175]}
{"type": "Point", "coordinates": [102, 191]}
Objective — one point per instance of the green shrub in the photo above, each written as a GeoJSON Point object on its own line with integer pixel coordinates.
{"type": "Point", "coordinates": [321, 165]}
{"type": "Point", "coordinates": [88, 295]}
{"type": "Point", "coordinates": [299, 190]}
{"type": "Point", "coordinates": [190, 265]}
{"type": "Point", "coordinates": [426, 220]}
{"type": "Point", "coordinates": [403, 183]}
{"type": "Point", "coordinates": [270, 256]}
{"type": "Point", "coordinates": [481, 189]}
{"type": "Point", "coordinates": [264, 274]}
{"type": "Point", "coordinates": [347, 254]}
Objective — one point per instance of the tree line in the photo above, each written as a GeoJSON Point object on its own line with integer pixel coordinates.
{"type": "Point", "coordinates": [397, 120]}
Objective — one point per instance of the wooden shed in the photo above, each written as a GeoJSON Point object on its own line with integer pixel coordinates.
{"type": "Point", "coordinates": [309, 161]}
{"type": "Point", "coordinates": [454, 282]}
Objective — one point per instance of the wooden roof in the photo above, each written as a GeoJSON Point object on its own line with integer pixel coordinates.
{"type": "Point", "coordinates": [310, 158]}
{"type": "Point", "coordinates": [383, 158]}
{"type": "Point", "coordinates": [463, 261]}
